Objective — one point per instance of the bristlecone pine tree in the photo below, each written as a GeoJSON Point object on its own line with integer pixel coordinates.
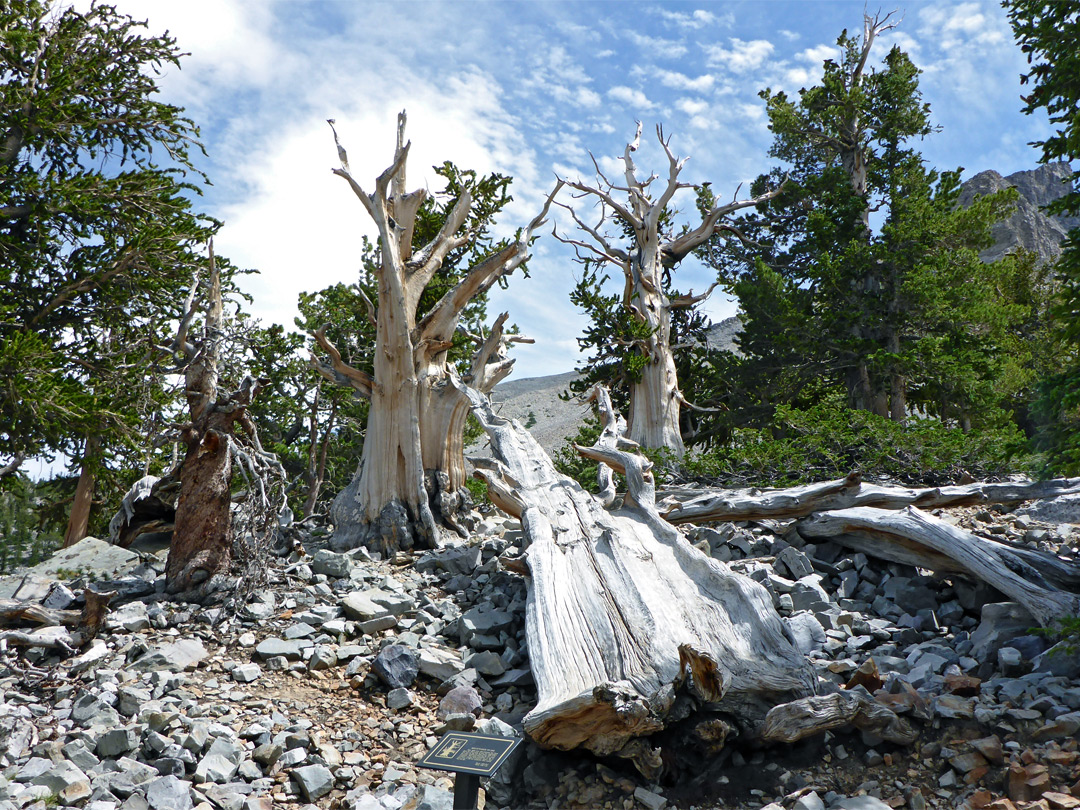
{"type": "Point", "coordinates": [655, 397]}
{"type": "Point", "coordinates": [409, 484]}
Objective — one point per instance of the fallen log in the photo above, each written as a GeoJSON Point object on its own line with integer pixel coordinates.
{"type": "Point", "coordinates": [847, 493]}
{"type": "Point", "coordinates": [88, 620]}
{"type": "Point", "coordinates": [623, 614]}
{"type": "Point", "coordinates": [803, 718]}
{"type": "Point", "coordinates": [1036, 580]}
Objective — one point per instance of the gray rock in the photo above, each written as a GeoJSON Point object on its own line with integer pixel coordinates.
{"type": "Point", "coordinates": [322, 657]}
{"type": "Point", "coordinates": [486, 663]}
{"type": "Point", "coordinates": [807, 592]}
{"type": "Point", "coordinates": [358, 606]}
{"type": "Point", "coordinates": [220, 763]}
{"type": "Point", "coordinates": [131, 617]}
{"type": "Point", "coordinates": [34, 768]}
{"type": "Point", "coordinates": [246, 673]}
{"type": "Point", "coordinates": [182, 655]}
{"type": "Point", "coordinates": [78, 753]}
{"type": "Point", "coordinates": [315, 781]}
{"type": "Point", "coordinates": [168, 793]}
{"type": "Point", "coordinates": [399, 698]}
{"type": "Point", "coordinates": [1001, 623]}
{"type": "Point", "coordinates": [274, 647]}
{"type": "Point", "coordinates": [396, 666]}
{"type": "Point", "coordinates": [65, 780]}
{"type": "Point", "coordinates": [1063, 660]}
{"type": "Point", "coordinates": [1028, 226]}
{"type": "Point", "coordinates": [795, 562]}
{"type": "Point", "coordinates": [372, 626]}
{"type": "Point", "coordinates": [439, 663]}
{"type": "Point", "coordinates": [88, 711]}
{"type": "Point", "coordinates": [428, 797]}
{"type": "Point", "coordinates": [116, 742]}
{"type": "Point", "coordinates": [862, 803]}
{"type": "Point", "coordinates": [60, 597]}
{"type": "Point", "coordinates": [396, 603]}
{"type": "Point", "coordinates": [653, 801]}
{"type": "Point", "coordinates": [298, 630]}
{"type": "Point", "coordinates": [811, 801]}
{"type": "Point", "coordinates": [460, 700]}
{"type": "Point", "coordinates": [330, 564]}
{"type": "Point", "coordinates": [484, 621]}
{"type": "Point", "coordinates": [807, 632]}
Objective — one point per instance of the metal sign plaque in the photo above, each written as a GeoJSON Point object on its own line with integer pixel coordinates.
{"type": "Point", "coordinates": [476, 754]}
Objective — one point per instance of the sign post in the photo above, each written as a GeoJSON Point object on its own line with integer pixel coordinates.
{"type": "Point", "coordinates": [468, 756]}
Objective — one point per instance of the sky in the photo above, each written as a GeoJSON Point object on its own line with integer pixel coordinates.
{"type": "Point", "coordinates": [530, 89]}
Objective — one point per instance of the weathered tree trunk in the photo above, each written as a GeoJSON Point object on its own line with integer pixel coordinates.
{"type": "Point", "coordinates": [916, 538]}
{"type": "Point", "coordinates": [655, 399]}
{"type": "Point", "coordinates": [630, 628]}
{"type": "Point", "coordinates": [79, 517]}
{"type": "Point", "coordinates": [412, 467]}
{"type": "Point", "coordinates": [201, 551]}
{"type": "Point", "coordinates": [844, 493]}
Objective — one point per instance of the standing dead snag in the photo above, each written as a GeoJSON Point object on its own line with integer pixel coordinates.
{"type": "Point", "coordinates": [412, 463]}
{"type": "Point", "coordinates": [202, 545]}
{"type": "Point", "coordinates": [630, 628]}
{"type": "Point", "coordinates": [655, 398]}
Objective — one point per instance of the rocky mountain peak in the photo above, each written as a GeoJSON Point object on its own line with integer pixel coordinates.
{"type": "Point", "coordinates": [1029, 227]}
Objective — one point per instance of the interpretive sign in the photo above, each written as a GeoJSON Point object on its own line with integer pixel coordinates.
{"type": "Point", "coordinates": [472, 756]}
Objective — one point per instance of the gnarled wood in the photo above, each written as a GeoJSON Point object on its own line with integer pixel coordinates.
{"type": "Point", "coordinates": [409, 483]}
{"type": "Point", "coordinates": [845, 493]}
{"type": "Point", "coordinates": [805, 717]}
{"type": "Point", "coordinates": [623, 613]}
{"type": "Point", "coordinates": [912, 535]}
{"type": "Point", "coordinates": [655, 398]}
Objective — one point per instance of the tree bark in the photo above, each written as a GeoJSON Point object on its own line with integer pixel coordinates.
{"type": "Point", "coordinates": [79, 518]}
{"type": "Point", "coordinates": [412, 466]}
{"type": "Point", "coordinates": [201, 551]}
{"type": "Point", "coordinates": [630, 628]}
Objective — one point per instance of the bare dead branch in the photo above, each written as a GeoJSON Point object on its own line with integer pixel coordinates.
{"type": "Point", "coordinates": [339, 371]}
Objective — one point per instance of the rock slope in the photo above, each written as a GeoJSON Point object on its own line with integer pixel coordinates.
{"type": "Point", "coordinates": [327, 685]}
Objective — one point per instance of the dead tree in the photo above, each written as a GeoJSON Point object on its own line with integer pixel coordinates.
{"type": "Point", "coordinates": [655, 398]}
{"type": "Point", "coordinates": [630, 628]}
{"type": "Point", "coordinates": [412, 462]}
{"type": "Point", "coordinates": [697, 506]}
{"type": "Point", "coordinates": [200, 556]}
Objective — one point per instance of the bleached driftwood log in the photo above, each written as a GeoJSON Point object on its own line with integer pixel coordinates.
{"type": "Point", "coordinates": [623, 614]}
{"type": "Point", "coordinates": [912, 536]}
{"type": "Point", "coordinates": [845, 493]}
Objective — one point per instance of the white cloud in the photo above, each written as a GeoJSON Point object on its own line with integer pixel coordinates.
{"type": "Point", "coordinates": [657, 47]}
{"type": "Point", "coordinates": [819, 53]}
{"type": "Point", "coordinates": [630, 97]}
{"type": "Point", "coordinates": [790, 36]}
{"type": "Point", "coordinates": [698, 18]}
{"type": "Point", "coordinates": [691, 106]}
{"type": "Point", "coordinates": [680, 81]}
{"type": "Point", "coordinates": [741, 56]}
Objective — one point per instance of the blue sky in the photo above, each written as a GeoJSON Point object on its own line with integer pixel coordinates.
{"type": "Point", "coordinates": [529, 89]}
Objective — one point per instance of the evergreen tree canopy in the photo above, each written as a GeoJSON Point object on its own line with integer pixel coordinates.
{"type": "Point", "coordinates": [864, 274]}
{"type": "Point", "coordinates": [98, 237]}
{"type": "Point", "coordinates": [1049, 33]}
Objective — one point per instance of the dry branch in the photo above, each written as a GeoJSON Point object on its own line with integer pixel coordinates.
{"type": "Point", "coordinates": [913, 535]}
{"type": "Point", "coordinates": [844, 493]}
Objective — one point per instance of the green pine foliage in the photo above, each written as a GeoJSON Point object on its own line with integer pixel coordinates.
{"type": "Point", "coordinates": [1049, 33]}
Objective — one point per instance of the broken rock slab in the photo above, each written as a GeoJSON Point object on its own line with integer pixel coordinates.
{"type": "Point", "coordinates": [179, 656]}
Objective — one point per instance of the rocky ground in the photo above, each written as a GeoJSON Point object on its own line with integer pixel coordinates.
{"type": "Point", "coordinates": [328, 685]}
